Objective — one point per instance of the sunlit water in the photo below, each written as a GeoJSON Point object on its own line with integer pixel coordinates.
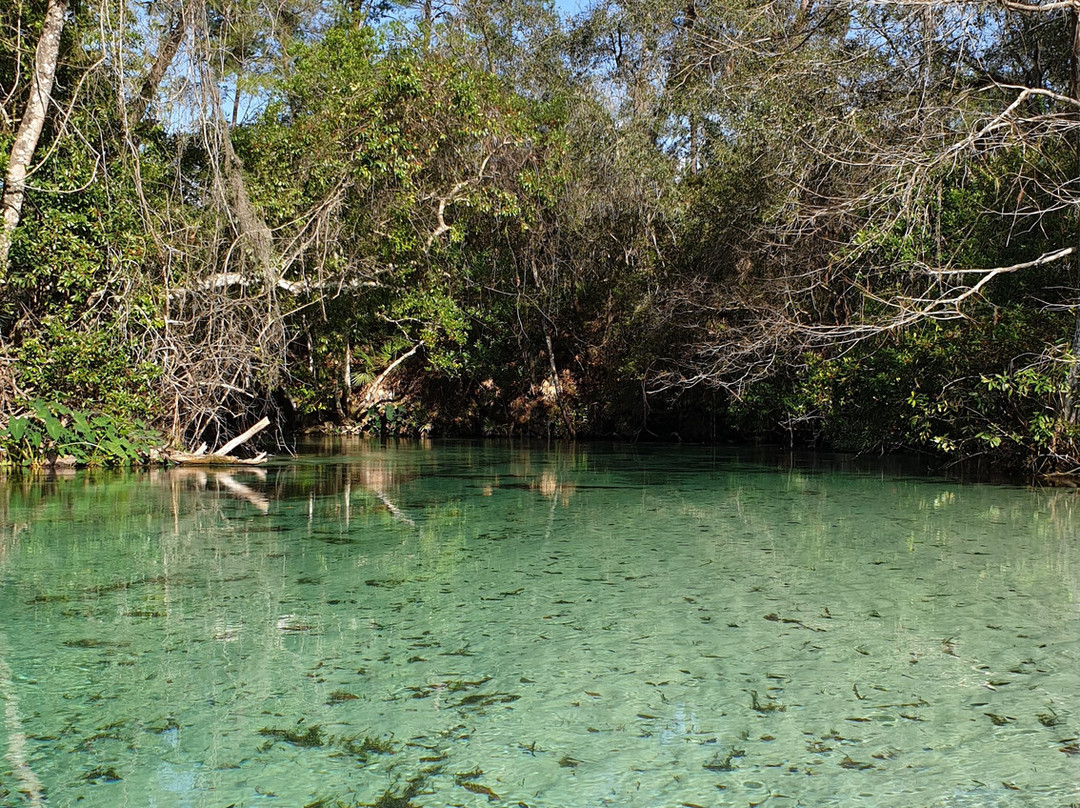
{"type": "Point", "coordinates": [460, 625]}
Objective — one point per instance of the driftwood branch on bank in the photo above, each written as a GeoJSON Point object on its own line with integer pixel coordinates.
{"type": "Point", "coordinates": [375, 392]}
{"type": "Point", "coordinates": [221, 457]}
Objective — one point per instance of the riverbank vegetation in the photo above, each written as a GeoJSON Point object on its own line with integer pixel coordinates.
{"type": "Point", "coordinates": [829, 223]}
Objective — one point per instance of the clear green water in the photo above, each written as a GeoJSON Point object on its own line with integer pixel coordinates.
{"type": "Point", "coordinates": [570, 628]}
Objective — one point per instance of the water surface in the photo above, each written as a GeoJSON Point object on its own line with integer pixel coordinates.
{"type": "Point", "coordinates": [470, 625]}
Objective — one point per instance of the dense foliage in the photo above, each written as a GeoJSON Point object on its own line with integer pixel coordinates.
{"type": "Point", "coordinates": [828, 223]}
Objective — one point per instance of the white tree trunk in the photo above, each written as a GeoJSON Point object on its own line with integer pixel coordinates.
{"type": "Point", "coordinates": [33, 120]}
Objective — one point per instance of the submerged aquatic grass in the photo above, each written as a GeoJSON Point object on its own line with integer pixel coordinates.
{"type": "Point", "coordinates": [311, 737]}
{"type": "Point", "coordinates": [466, 625]}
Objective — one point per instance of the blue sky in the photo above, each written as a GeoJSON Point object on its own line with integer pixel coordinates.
{"type": "Point", "coordinates": [570, 7]}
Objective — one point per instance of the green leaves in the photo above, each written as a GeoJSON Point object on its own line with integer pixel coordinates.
{"type": "Point", "coordinates": [53, 427]}
{"type": "Point", "coordinates": [16, 428]}
{"type": "Point", "coordinates": [55, 431]}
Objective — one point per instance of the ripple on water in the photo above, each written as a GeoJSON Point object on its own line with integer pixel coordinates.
{"type": "Point", "coordinates": [459, 625]}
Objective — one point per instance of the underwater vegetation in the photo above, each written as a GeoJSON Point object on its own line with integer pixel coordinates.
{"type": "Point", "coordinates": [311, 737]}
{"type": "Point", "coordinates": [431, 677]}
{"type": "Point", "coordinates": [338, 696]}
{"type": "Point", "coordinates": [400, 799]}
{"type": "Point", "coordinates": [359, 746]}
{"type": "Point", "coordinates": [467, 782]}
{"type": "Point", "coordinates": [725, 764]}
{"type": "Point", "coordinates": [101, 775]}
{"type": "Point", "coordinates": [765, 707]}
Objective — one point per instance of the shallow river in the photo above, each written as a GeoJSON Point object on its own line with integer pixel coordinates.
{"type": "Point", "coordinates": [469, 625]}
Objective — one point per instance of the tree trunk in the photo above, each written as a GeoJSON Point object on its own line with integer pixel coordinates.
{"type": "Point", "coordinates": [926, 54]}
{"type": "Point", "coordinates": [426, 25]}
{"type": "Point", "coordinates": [33, 120]}
{"type": "Point", "coordinates": [693, 144]}
{"type": "Point", "coordinates": [165, 55]}
{"type": "Point", "coordinates": [251, 227]}
{"type": "Point", "coordinates": [236, 101]}
{"type": "Point", "coordinates": [556, 384]}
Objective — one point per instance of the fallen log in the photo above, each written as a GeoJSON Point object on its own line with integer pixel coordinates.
{"type": "Point", "coordinates": [189, 459]}
{"type": "Point", "coordinates": [241, 438]}
{"type": "Point", "coordinates": [221, 457]}
{"type": "Point", "coordinates": [1060, 479]}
